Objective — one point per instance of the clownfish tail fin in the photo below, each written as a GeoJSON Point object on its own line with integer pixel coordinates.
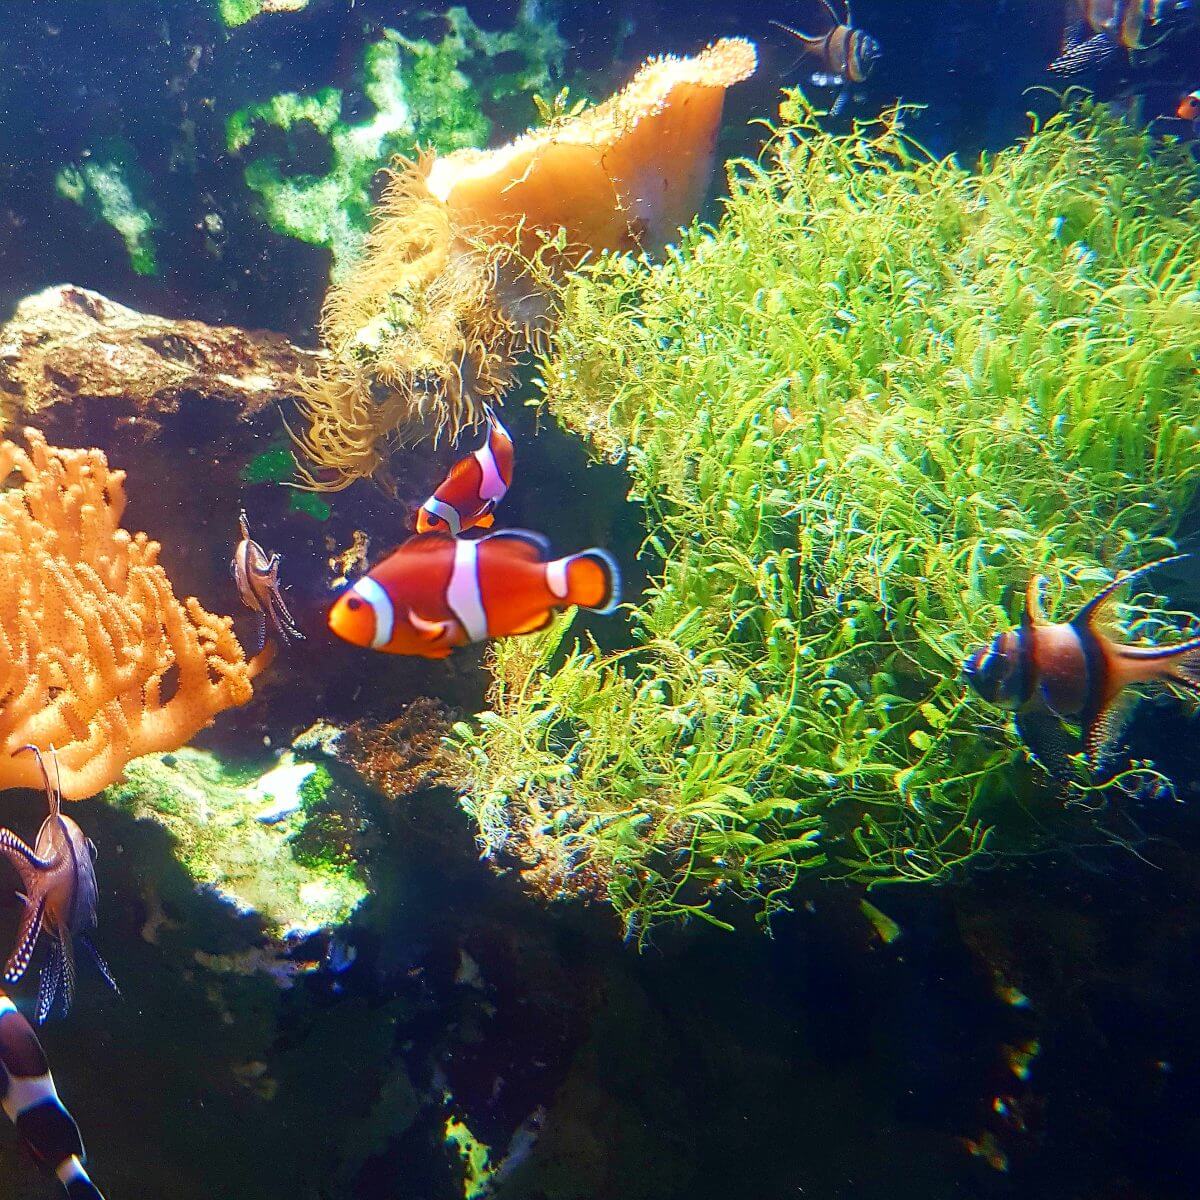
{"type": "Point", "coordinates": [593, 580]}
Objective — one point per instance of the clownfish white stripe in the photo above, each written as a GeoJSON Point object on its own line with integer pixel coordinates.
{"type": "Point", "coordinates": [26, 1092]}
{"type": "Point", "coordinates": [437, 508]}
{"type": "Point", "coordinates": [556, 577]}
{"type": "Point", "coordinates": [492, 486]}
{"type": "Point", "coordinates": [463, 595]}
{"type": "Point", "coordinates": [381, 605]}
{"type": "Point", "coordinates": [6, 1005]}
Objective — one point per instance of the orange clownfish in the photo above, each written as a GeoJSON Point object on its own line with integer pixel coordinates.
{"type": "Point", "coordinates": [467, 497]}
{"type": "Point", "coordinates": [1047, 671]}
{"type": "Point", "coordinates": [1189, 107]}
{"type": "Point", "coordinates": [437, 592]}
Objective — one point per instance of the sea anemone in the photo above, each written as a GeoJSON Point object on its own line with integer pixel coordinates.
{"type": "Point", "coordinates": [450, 292]}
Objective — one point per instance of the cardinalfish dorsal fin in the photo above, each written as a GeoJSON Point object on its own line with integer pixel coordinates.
{"type": "Point", "coordinates": [1084, 618]}
{"type": "Point", "coordinates": [53, 793]}
{"type": "Point", "coordinates": [828, 7]}
{"type": "Point", "coordinates": [1034, 612]}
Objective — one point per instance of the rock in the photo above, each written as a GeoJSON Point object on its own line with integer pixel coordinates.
{"type": "Point", "coordinates": [75, 348]}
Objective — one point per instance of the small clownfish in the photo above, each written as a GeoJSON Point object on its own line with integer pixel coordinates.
{"type": "Point", "coordinates": [1189, 107]}
{"type": "Point", "coordinates": [1047, 672]}
{"type": "Point", "coordinates": [437, 592]}
{"type": "Point", "coordinates": [467, 497]}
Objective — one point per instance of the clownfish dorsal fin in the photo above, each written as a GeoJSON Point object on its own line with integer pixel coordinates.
{"type": "Point", "coordinates": [1086, 615]}
{"type": "Point", "coordinates": [527, 544]}
{"type": "Point", "coordinates": [1034, 612]}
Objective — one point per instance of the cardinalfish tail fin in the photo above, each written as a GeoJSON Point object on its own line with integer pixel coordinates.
{"type": "Point", "coordinates": [593, 580]}
{"type": "Point", "coordinates": [32, 1104]}
{"type": "Point", "coordinates": [1172, 664]}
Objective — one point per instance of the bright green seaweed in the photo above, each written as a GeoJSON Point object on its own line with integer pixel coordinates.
{"type": "Point", "coordinates": [859, 414]}
{"type": "Point", "coordinates": [426, 95]}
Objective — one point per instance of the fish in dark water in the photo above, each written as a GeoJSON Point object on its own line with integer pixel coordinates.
{"type": "Point", "coordinates": [1048, 672]}
{"type": "Point", "coordinates": [1100, 29]}
{"type": "Point", "coordinates": [467, 497]}
{"type": "Point", "coordinates": [31, 1102]}
{"type": "Point", "coordinates": [437, 592]}
{"type": "Point", "coordinates": [256, 575]}
{"type": "Point", "coordinates": [61, 898]}
{"type": "Point", "coordinates": [847, 54]}
{"type": "Point", "coordinates": [1188, 108]}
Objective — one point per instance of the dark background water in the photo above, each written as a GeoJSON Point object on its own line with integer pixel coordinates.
{"type": "Point", "coordinates": [820, 1062]}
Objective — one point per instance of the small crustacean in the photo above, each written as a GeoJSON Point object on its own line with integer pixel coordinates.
{"type": "Point", "coordinates": [61, 896]}
{"type": "Point", "coordinates": [256, 574]}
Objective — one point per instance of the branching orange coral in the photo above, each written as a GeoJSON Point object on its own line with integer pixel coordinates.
{"type": "Point", "coordinates": [430, 324]}
{"type": "Point", "coordinates": [97, 656]}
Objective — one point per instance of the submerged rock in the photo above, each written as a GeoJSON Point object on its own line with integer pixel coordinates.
{"type": "Point", "coordinates": [73, 348]}
{"type": "Point", "coordinates": [214, 812]}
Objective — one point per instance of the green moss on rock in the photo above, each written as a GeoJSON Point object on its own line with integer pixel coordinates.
{"type": "Point", "coordinates": [425, 94]}
{"type": "Point", "coordinates": [213, 811]}
{"type": "Point", "coordinates": [860, 413]}
{"type": "Point", "coordinates": [106, 184]}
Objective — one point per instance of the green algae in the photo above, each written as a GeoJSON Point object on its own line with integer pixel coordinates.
{"type": "Point", "coordinates": [426, 95]}
{"type": "Point", "coordinates": [212, 810]}
{"type": "Point", "coordinates": [240, 12]}
{"type": "Point", "coordinates": [859, 414]}
{"type": "Point", "coordinates": [107, 184]}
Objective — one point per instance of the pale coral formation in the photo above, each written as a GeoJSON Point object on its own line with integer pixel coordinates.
{"type": "Point", "coordinates": [453, 285]}
{"type": "Point", "coordinates": [97, 656]}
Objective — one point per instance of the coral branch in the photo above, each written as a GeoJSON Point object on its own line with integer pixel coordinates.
{"type": "Point", "coordinates": [97, 656]}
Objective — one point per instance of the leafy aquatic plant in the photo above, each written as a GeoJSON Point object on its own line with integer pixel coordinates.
{"type": "Point", "coordinates": [859, 414]}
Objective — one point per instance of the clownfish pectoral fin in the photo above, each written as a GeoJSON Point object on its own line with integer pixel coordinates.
{"type": "Point", "coordinates": [1049, 743]}
{"type": "Point", "coordinates": [430, 631]}
{"type": "Point", "coordinates": [486, 519]}
{"type": "Point", "coordinates": [1084, 617]}
{"type": "Point", "coordinates": [536, 623]}
{"type": "Point", "coordinates": [31, 928]}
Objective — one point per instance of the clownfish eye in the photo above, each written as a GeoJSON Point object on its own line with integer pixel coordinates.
{"type": "Point", "coordinates": [433, 519]}
{"type": "Point", "coordinates": [354, 604]}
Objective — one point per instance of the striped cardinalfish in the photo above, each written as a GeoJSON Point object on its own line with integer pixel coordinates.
{"type": "Point", "coordinates": [61, 897]}
{"type": "Point", "coordinates": [31, 1102]}
{"type": "Point", "coordinates": [847, 55]}
{"type": "Point", "coordinates": [1048, 672]}
{"type": "Point", "coordinates": [1101, 29]}
{"type": "Point", "coordinates": [467, 497]}
{"type": "Point", "coordinates": [437, 592]}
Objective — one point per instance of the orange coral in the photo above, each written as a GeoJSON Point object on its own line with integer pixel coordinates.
{"type": "Point", "coordinates": [429, 326]}
{"type": "Point", "coordinates": [97, 656]}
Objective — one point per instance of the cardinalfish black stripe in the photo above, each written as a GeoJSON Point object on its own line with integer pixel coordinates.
{"type": "Point", "coordinates": [31, 1102]}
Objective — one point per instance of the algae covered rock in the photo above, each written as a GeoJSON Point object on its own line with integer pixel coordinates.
{"type": "Point", "coordinates": [262, 840]}
{"type": "Point", "coordinates": [859, 414]}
